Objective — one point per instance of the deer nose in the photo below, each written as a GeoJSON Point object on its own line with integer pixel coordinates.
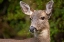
{"type": "Point", "coordinates": [32, 29]}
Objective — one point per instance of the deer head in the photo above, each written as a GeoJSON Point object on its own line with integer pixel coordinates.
{"type": "Point", "coordinates": [39, 18]}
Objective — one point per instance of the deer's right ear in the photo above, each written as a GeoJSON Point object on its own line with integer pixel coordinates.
{"type": "Point", "coordinates": [25, 8]}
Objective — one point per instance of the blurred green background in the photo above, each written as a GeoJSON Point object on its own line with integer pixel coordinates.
{"type": "Point", "coordinates": [15, 24]}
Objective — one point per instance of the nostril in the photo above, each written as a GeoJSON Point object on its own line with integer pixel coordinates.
{"type": "Point", "coordinates": [32, 29]}
{"type": "Point", "coordinates": [31, 26]}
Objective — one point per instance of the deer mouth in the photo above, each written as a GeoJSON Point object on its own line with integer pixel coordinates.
{"type": "Point", "coordinates": [35, 33]}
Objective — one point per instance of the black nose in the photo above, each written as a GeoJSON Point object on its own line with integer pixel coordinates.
{"type": "Point", "coordinates": [32, 29]}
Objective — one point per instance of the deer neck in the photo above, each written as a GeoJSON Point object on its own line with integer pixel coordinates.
{"type": "Point", "coordinates": [44, 35]}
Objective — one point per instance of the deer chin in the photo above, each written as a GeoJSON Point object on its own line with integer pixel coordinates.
{"type": "Point", "coordinates": [35, 33]}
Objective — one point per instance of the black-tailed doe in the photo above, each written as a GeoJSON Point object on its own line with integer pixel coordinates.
{"type": "Point", "coordinates": [39, 22]}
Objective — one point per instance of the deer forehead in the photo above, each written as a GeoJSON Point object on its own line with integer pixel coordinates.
{"type": "Point", "coordinates": [38, 14]}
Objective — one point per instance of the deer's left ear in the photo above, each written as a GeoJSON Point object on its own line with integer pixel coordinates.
{"type": "Point", "coordinates": [49, 6]}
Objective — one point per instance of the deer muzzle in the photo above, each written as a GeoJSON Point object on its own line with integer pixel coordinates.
{"type": "Point", "coordinates": [32, 29]}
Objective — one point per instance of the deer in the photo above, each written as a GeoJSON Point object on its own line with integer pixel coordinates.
{"type": "Point", "coordinates": [39, 22]}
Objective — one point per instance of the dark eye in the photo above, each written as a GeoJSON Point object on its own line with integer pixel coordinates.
{"type": "Point", "coordinates": [42, 18]}
{"type": "Point", "coordinates": [30, 18]}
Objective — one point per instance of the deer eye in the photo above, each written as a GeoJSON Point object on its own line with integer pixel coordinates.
{"type": "Point", "coordinates": [42, 18]}
{"type": "Point", "coordinates": [30, 18]}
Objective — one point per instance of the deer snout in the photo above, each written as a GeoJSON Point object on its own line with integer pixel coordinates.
{"type": "Point", "coordinates": [32, 29]}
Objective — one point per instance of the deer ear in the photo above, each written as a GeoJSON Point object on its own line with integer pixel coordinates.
{"type": "Point", "coordinates": [49, 6]}
{"type": "Point", "coordinates": [25, 8]}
